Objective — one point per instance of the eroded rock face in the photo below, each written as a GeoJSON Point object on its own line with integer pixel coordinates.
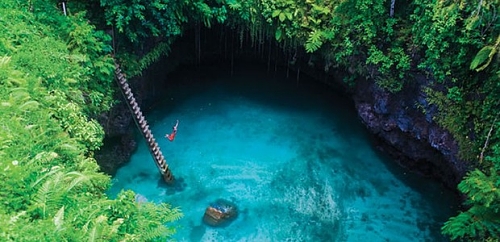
{"type": "Point", "coordinates": [406, 133]}
{"type": "Point", "coordinates": [118, 142]}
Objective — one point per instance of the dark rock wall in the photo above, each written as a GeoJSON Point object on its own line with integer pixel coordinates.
{"type": "Point", "coordinates": [119, 142]}
{"type": "Point", "coordinates": [408, 133]}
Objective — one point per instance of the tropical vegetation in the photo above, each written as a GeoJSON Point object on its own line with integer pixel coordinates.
{"type": "Point", "coordinates": [56, 75]}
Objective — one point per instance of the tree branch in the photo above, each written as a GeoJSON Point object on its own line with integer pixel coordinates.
{"type": "Point", "coordinates": [487, 140]}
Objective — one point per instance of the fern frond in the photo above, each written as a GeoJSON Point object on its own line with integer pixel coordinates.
{"type": "Point", "coordinates": [152, 233]}
{"type": "Point", "coordinates": [481, 188]}
{"type": "Point", "coordinates": [50, 173]}
{"type": "Point", "coordinates": [93, 234]}
{"type": "Point", "coordinates": [4, 60]}
{"type": "Point", "coordinates": [42, 196]}
{"type": "Point", "coordinates": [19, 94]}
{"type": "Point", "coordinates": [314, 42]}
{"type": "Point", "coordinates": [458, 226]}
{"type": "Point", "coordinates": [76, 178]}
{"type": "Point", "coordinates": [59, 219]}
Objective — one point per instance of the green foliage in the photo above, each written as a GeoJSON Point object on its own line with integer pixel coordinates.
{"type": "Point", "coordinates": [393, 67]}
{"type": "Point", "coordinates": [482, 219]}
{"type": "Point", "coordinates": [485, 56]}
{"type": "Point", "coordinates": [453, 35]}
{"type": "Point", "coordinates": [481, 188]}
{"type": "Point", "coordinates": [438, 38]}
{"type": "Point", "coordinates": [449, 39]}
{"type": "Point", "coordinates": [454, 94]}
{"type": "Point", "coordinates": [139, 20]}
{"type": "Point", "coordinates": [314, 41]}
{"type": "Point", "coordinates": [451, 106]}
{"type": "Point", "coordinates": [134, 65]}
{"type": "Point", "coordinates": [55, 76]}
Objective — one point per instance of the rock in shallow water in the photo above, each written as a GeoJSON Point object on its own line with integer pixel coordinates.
{"type": "Point", "coordinates": [220, 213]}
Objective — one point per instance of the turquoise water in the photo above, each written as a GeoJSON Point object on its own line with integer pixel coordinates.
{"type": "Point", "coordinates": [292, 156]}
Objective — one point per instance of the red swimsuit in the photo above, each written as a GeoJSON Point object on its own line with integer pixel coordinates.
{"type": "Point", "coordinates": [171, 136]}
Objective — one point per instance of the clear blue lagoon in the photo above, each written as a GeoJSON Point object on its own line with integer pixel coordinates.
{"type": "Point", "coordinates": [292, 156]}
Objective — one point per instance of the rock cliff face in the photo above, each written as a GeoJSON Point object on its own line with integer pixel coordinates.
{"type": "Point", "coordinates": [406, 133]}
{"type": "Point", "coordinates": [119, 142]}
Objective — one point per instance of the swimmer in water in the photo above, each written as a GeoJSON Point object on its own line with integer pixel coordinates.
{"type": "Point", "coordinates": [171, 136]}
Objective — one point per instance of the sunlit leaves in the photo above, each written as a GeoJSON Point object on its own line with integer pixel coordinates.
{"type": "Point", "coordinates": [278, 34]}
{"type": "Point", "coordinates": [478, 222]}
{"type": "Point", "coordinates": [482, 219]}
{"type": "Point", "coordinates": [282, 14]}
{"type": "Point", "coordinates": [314, 41]}
{"type": "Point", "coordinates": [59, 219]}
{"type": "Point", "coordinates": [45, 128]}
{"type": "Point", "coordinates": [482, 188]}
{"type": "Point", "coordinates": [484, 57]}
{"type": "Point", "coordinates": [55, 75]}
{"type": "Point", "coordinates": [87, 132]}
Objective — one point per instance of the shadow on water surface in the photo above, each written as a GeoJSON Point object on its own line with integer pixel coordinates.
{"type": "Point", "coordinates": [178, 185]}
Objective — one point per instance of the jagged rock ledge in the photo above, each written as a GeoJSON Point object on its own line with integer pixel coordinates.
{"type": "Point", "coordinates": [413, 138]}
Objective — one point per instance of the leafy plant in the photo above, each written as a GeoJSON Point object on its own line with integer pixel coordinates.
{"type": "Point", "coordinates": [484, 57]}
{"type": "Point", "coordinates": [55, 75]}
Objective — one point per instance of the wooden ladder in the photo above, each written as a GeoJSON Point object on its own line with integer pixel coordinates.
{"type": "Point", "coordinates": [142, 124]}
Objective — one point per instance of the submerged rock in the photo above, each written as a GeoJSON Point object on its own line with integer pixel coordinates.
{"type": "Point", "coordinates": [220, 213]}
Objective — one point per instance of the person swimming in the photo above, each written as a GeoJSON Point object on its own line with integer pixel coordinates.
{"type": "Point", "coordinates": [171, 136]}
